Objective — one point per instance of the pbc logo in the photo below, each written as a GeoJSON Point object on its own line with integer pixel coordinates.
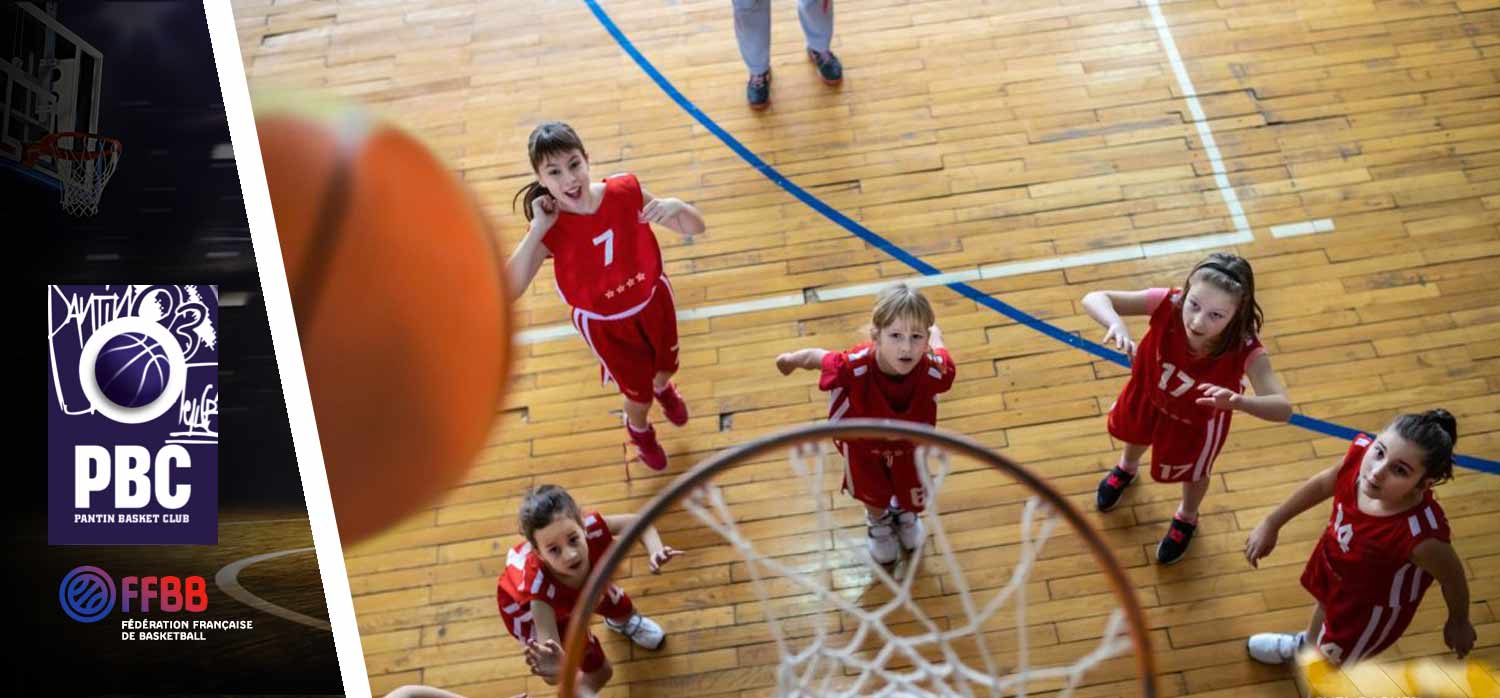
{"type": "Point", "coordinates": [87, 594]}
{"type": "Point", "coordinates": [132, 421]}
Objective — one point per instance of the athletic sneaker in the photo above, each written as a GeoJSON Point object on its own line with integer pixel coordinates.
{"type": "Point", "coordinates": [643, 631]}
{"type": "Point", "coordinates": [652, 454]}
{"type": "Point", "coordinates": [909, 528]}
{"type": "Point", "coordinates": [1175, 544]}
{"type": "Point", "coordinates": [672, 405]}
{"type": "Point", "coordinates": [884, 547]}
{"type": "Point", "coordinates": [1275, 648]}
{"type": "Point", "coordinates": [1111, 487]}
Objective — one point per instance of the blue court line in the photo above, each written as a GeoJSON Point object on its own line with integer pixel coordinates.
{"type": "Point", "coordinates": [907, 258]}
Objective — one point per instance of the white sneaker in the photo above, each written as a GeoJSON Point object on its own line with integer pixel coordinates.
{"type": "Point", "coordinates": [643, 631]}
{"type": "Point", "coordinates": [1274, 648]}
{"type": "Point", "coordinates": [909, 528]}
{"type": "Point", "coordinates": [884, 547]}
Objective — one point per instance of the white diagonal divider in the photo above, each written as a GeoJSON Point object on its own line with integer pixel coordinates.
{"type": "Point", "coordinates": [278, 297]}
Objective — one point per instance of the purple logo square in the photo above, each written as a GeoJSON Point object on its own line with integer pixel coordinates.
{"type": "Point", "coordinates": [132, 415]}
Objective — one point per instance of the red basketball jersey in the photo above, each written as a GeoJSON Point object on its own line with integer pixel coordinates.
{"type": "Point", "coordinates": [608, 262]}
{"type": "Point", "coordinates": [857, 388]}
{"type": "Point", "coordinates": [1367, 559]}
{"type": "Point", "coordinates": [525, 578]}
{"type": "Point", "coordinates": [1164, 365]}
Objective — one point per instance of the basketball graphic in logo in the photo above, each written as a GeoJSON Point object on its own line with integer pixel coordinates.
{"type": "Point", "coordinates": [132, 369]}
{"type": "Point", "coordinates": [120, 365]}
{"type": "Point", "coordinates": [87, 594]}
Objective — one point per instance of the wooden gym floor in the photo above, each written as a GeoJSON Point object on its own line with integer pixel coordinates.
{"type": "Point", "coordinates": [969, 134]}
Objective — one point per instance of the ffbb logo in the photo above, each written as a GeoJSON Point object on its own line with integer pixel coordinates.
{"type": "Point", "coordinates": [132, 420]}
{"type": "Point", "coordinates": [88, 594]}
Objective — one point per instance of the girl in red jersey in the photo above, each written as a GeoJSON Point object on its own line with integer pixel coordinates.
{"type": "Point", "coordinates": [609, 269]}
{"type": "Point", "coordinates": [897, 375]}
{"type": "Point", "coordinates": [1386, 541]}
{"type": "Point", "coordinates": [1186, 381]}
{"type": "Point", "coordinates": [544, 574]}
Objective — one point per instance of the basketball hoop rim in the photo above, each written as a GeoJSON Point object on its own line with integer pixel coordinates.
{"type": "Point", "coordinates": [578, 626]}
{"type": "Point", "coordinates": [48, 146]}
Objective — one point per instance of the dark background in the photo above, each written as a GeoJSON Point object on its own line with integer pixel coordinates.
{"type": "Point", "coordinates": [172, 213]}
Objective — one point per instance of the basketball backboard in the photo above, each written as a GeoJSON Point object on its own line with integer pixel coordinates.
{"type": "Point", "coordinates": [50, 78]}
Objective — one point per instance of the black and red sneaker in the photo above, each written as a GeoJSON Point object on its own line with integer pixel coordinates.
{"type": "Point", "coordinates": [1175, 543]}
{"type": "Point", "coordinates": [1111, 487]}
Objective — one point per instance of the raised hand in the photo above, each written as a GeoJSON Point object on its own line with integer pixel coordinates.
{"type": "Point", "coordinates": [1261, 542]}
{"type": "Point", "coordinates": [662, 557]}
{"type": "Point", "coordinates": [1218, 397]}
{"type": "Point", "coordinates": [543, 212]}
{"type": "Point", "coordinates": [544, 659]}
{"type": "Point", "coordinates": [1120, 334]}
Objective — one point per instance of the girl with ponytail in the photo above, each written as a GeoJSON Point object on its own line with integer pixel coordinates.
{"type": "Point", "coordinates": [1387, 540]}
{"type": "Point", "coordinates": [608, 267]}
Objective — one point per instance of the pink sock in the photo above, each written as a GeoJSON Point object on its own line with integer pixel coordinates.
{"type": "Point", "coordinates": [631, 427]}
{"type": "Point", "coordinates": [1185, 518]}
{"type": "Point", "coordinates": [1131, 468]}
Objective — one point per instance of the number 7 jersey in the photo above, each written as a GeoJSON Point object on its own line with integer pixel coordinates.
{"type": "Point", "coordinates": [608, 262]}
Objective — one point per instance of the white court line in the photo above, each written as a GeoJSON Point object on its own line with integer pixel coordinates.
{"type": "Point", "coordinates": [1242, 234]}
{"type": "Point", "coordinates": [1193, 244]}
{"type": "Point", "coordinates": [736, 308]}
{"type": "Point", "coordinates": [1144, 250]}
{"type": "Point", "coordinates": [1104, 256]}
{"type": "Point", "coordinates": [228, 582]}
{"type": "Point", "coordinates": [545, 333]}
{"type": "Point", "coordinates": [1221, 176]}
{"type": "Point", "coordinates": [1322, 225]}
{"type": "Point", "coordinates": [553, 332]}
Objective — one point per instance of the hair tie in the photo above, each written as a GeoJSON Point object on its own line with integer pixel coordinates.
{"type": "Point", "coordinates": [1223, 270]}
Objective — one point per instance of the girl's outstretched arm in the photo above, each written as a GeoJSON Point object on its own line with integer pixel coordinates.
{"type": "Point", "coordinates": [1106, 307]}
{"type": "Point", "coordinates": [1262, 539]}
{"type": "Point", "coordinates": [810, 359]}
{"type": "Point", "coordinates": [1443, 564]}
{"type": "Point", "coordinates": [1269, 402]}
{"type": "Point", "coordinates": [659, 553]}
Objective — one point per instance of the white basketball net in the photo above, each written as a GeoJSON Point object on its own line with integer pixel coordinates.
{"type": "Point", "coordinates": [934, 663]}
{"type": "Point", "coordinates": [83, 177]}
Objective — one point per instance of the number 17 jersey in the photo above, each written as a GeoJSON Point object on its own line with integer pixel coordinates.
{"type": "Point", "coordinates": [608, 262]}
{"type": "Point", "coordinates": [1158, 406]}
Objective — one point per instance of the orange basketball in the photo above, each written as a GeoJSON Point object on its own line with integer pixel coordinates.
{"type": "Point", "coordinates": [397, 284]}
